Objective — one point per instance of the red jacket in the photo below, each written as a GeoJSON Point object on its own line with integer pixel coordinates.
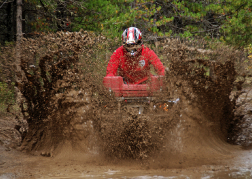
{"type": "Point", "coordinates": [134, 70]}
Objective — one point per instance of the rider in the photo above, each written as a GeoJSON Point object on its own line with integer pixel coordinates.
{"type": "Point", "coordinates": [132, 60]}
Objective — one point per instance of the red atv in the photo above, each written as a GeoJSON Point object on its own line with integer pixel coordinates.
{"type": "Point", "coordinates": [131, 122]}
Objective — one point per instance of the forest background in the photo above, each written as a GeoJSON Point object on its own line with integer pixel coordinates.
{"type": "Point", "coordinates": [210, 23]}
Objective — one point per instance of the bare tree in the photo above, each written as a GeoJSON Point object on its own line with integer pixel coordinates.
{"type": "Point", "coordinates": [18, 48]}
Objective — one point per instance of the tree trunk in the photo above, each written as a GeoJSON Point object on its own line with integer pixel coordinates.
{"type": "Point", "coordinates": [19, 21]}
{"type": "Point", "coordinates": [18, 48]}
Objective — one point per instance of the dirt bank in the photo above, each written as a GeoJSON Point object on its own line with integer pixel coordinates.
{"type": "Point", "coordinates": [242, 123]}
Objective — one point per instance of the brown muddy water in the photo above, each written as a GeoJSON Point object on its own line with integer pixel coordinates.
{"type": "Point", "coordinates": [196, 153]}
{"type": "Point", "coordinates": [18, 165]}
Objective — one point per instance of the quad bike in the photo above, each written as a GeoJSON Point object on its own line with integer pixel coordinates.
{"type": "Point", "coordinates": [132, 123]}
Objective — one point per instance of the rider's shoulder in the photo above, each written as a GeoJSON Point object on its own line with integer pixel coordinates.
{"type": "Point", "coordinates": [118, 50]}
{"type": "Point", "coordinates": [145, 47]}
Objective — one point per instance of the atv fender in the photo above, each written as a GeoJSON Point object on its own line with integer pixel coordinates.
{"type": "Point", "coordinates": [115, 84]}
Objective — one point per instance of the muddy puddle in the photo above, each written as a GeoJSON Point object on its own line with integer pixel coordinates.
{"type": "Point", "coordinates": [240, 173]}
{"type": "Point", "coordinates": [236, 173]}
{"type": "Point", "coordinates": [191, 151]}
{"type": "Point", "coordinates": [20, 165]}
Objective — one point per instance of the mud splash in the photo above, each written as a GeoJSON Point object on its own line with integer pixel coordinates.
{"type": "Point", "coordinates": [132, 135]}
{"type": "Point", "coordinates": [66, 106]}
{"type": "Point", "coordinates": [56, 94]}
{"type": "Point", "coordinates": [200, 132]}
{"type": "Point", "coordinates": [195, 131]}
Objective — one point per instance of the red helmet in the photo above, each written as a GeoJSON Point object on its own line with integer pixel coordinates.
{"type": "Point", "coordinates": [131, 35]}
{"type": "Point", "coordinates": [132, 41]}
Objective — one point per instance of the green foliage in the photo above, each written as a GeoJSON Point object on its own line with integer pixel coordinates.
{"type": "Point", "coordinates": [6, 96]}
{"type": "Point", "coordinates": [236, 28]}
{"type": "Point", "coordinates": [45, 19]}
{"type": "Point", "coordinates": [249, 48]}
{"type": "Point", "coordinates": [9, 43]}
{"type": "Point", "coordinates": [108, 17]}
{"type": "Point", "coordinates": [227, 20]}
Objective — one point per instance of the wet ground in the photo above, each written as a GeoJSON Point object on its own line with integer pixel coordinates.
{"type": "Point", "coordinates": [15, 164]}
{"type": "Point", "coordinates": [234, 162]}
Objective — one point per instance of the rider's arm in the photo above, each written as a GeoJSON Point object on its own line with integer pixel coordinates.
{"type": "Point", "coordinates": [113, 64]}
{"type": "Point", "coordinates": [157, 64]}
